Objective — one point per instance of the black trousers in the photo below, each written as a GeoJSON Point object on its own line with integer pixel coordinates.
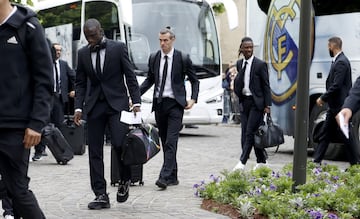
{"type": "Point", "coordinates": [14, 162]}
{"type": "Point", "coordinates": [7, 206]}
{"type": "Point", "coordinates": [331, 126]}
{"type": "Point", "coordinates": [251, 118]}
{"type": "Point", "coordinates": [168, 116]}
{"type": "Point", "coordinates": [97, 119]}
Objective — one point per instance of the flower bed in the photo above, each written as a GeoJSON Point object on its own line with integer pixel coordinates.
{"type": "Point", "coordinates": [328, 193]}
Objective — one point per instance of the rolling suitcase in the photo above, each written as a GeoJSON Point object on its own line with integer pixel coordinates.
{"type": "Point", "coordinates": [75, 135]}
{"type": "Point", "coordinates": [136, 171]}
{"type": "Point", "coordinates": [56, 142]}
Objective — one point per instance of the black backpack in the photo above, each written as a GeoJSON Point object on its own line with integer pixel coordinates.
{"type": "Point", "coordinates": [23, 33]}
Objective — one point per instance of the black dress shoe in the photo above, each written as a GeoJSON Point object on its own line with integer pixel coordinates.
{"type": "Point", "coordinates": [101, 201]}
{"type": "Point", "coordinates": [172, 182]}
{"type": "Point", "coordinates": [123, 191]}
{"type": "Point", "coordinates": [161, 183]}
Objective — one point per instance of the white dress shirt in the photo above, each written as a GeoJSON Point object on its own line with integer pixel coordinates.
{"type": "Point", "coordinates": [58, 72]}
{"type": "Point", "coordinates": [168, 92]}
{"type": "Point", "coordinates": [246, 90]}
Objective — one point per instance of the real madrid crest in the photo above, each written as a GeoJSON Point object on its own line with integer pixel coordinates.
{"type": "Point", "coordinates": [281, 48]}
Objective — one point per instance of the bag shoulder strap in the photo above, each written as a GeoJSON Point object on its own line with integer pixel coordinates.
{"type": "Point", "coordinates": [22, 32]}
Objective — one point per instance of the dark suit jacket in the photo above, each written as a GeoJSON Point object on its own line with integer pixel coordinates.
{"type": "Point", "coordinates": [177, 77]}
{"type": "Point", "coordinates": [353, 100]}
{"type": "Point", "coordinates": [116, 66]}
{"type": "Point", "coordinates": [67, 78]}
{"type": "Point", "coordinates": [259, 83]}
{"type": "Point", "coordinates": [338, 83]}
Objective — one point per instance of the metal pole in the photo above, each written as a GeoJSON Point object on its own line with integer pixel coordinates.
{"type": "Point", "coordinates": [302, 96]}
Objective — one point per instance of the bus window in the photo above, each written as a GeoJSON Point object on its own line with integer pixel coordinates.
{"type": "Point", "coordinates": [63, 14]}
{"type": "Point", "coordinates": [194, 27]}
{"type": "Point", "coordinates": [105, 12]}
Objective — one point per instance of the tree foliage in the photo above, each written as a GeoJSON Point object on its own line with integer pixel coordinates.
{"type": "Point", "coordinates": [218, 8]}
{"type": "Point", "coordinates": [28, 2]}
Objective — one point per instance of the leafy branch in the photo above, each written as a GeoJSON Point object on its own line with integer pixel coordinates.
{"type": "Point", "coordinates": [218, 8]}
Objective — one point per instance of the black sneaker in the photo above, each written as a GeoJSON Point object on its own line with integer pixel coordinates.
{"type": "Point", "coordinates": [161, 183]}
{"type": "Point", "coordinates": [123, 191]}
{"type": "Point", "coordinates": [37, 157]}
{"type": "Point", "coordinates": [101, 201]}
{"type": "Point", "coordinates": [172, 182]}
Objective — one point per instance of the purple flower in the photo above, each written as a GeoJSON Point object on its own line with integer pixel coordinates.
{"type": "Point", "coordinates": [335, 178]}
{"type": "Point", "coordinates": [214, 178]}
{"type": "Point", "coordinates": [288, 174]}
{"type": "Point", "coordinates": [196, 193]}
{"type": "Point", "coordinates": [195, 186]}
{"type": "Point", "coordinates": [273, 187]}
{"type": "Point", "coordinates": [258, 191]}
{"type": "Point", "coordinates": [315, 214]}
{"type": "Point", "coordinates": [316, 171]}
{"type": "Point", "coordinates": [332, 216]}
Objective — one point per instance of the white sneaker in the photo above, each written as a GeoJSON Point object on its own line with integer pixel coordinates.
{"type": "Point", "coordinates": [239, 166]}
{"type": "Point", "coordinates": [9, 217]}
{"type": "Point", "coordinates": [258, 165]}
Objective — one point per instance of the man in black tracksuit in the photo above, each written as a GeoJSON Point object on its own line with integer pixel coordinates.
{"type": "Point", "coordinates": [26, 87]}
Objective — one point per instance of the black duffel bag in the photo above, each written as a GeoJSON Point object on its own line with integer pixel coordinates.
{"type": "Point", "coordinates": [269, 134]}
{"type": "Point", "coordinates": [140, 145]}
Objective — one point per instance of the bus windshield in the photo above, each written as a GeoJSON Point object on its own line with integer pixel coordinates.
{"type": "Point", "coordinates": [326, 7]}
{"type": "Point", "coordinates": [194, 29]}
{"type": "Point", "coordinates": [105, 12]}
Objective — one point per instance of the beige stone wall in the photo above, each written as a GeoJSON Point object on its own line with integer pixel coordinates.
{"type": "Point", "coordinates": [230, 39]}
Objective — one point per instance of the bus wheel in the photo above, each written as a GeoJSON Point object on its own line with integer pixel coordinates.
{"type": "Point", "coordinates": [335, 151]}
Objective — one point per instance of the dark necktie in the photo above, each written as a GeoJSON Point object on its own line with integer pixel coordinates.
{"type": "Point", "coordinates": [244, 68]}
{"type": "Point", "coordinates": [163, 80]}
{"type": "Point", "coordinates": [97, 48]}
{"type": "Point", "coordinates": [98, 65]}
{"type": "Point", "coordinates": [57, 84]}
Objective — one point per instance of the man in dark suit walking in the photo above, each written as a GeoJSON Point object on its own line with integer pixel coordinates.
{"type": "Point", "coordinates": [64, 79]}
{"type": "Point", "coordinates": [338, 85]}
{"type": "Point", "coordinates": [252, 87]}
{"type": "Point", "coordinates": [167, 70]}
{"type": "Point", "coordinates": [101, 93]}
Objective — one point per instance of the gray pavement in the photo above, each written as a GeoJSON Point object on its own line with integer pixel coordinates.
{"type": "Point", "coordinates": [64, 191]}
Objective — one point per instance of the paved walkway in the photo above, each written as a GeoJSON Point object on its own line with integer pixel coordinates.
{"type": "Point", "coordinates": [64, 191]}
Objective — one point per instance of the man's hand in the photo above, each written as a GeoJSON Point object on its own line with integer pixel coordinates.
{"type": "Point", "coordinates": [347, 113]}
{"type": "Point", "coordinates": [190, 104]}
{"type": "Point", "coordinates": [77, 118]}
{"type": "Point", "coordinates": [136, 109]}
{"type": "Point", "coordinates": [267, 110]}
{"type": "Point", "coordinates": [31, 138]}
{"type": "Point", "coordinates": [319, 102]}
{"type": "Point", "coordinates": [72, 94]}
